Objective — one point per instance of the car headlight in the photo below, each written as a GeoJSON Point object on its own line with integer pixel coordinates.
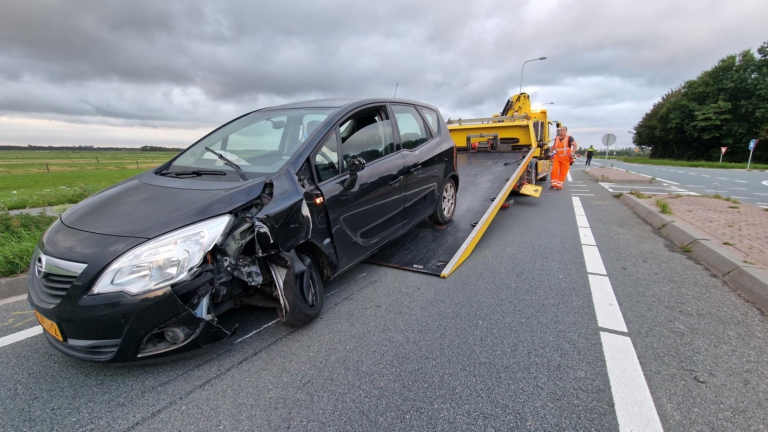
{"type": "Point", "coordinates": [164, 260]}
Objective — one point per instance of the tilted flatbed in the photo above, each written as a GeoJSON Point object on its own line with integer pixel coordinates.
{"type": "Point", "coordinates": [486, 180]}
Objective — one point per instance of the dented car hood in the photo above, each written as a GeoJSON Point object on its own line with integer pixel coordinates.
{"type": "Point", "coordinates": [148, 205]}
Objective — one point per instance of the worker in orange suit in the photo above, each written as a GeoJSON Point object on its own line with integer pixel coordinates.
{"type": "Point", "coordinates": [564, 146]}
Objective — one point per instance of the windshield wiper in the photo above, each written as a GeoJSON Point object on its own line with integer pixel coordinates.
{"type": "Point", "coordinates": [192, 173]}
{"type": "Point", "coordinates": [231, 164]}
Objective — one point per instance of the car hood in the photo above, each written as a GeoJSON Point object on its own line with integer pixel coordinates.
{"type": "Point", "coordinates": [147, 205]}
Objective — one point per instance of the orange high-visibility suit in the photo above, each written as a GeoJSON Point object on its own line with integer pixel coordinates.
{"type": "Point", "coordinates": [561, 161]}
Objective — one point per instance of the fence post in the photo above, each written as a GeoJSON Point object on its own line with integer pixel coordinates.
{"type": "Point", "coordinates": [137, 164]}
{"type": "Point", "coordinates": [46, 167]}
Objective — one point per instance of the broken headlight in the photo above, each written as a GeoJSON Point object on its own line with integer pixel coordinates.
{"type": "Point", "coordinates": [165, 260]}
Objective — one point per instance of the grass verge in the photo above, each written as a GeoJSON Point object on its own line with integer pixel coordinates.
{"type": "Point", "coordinates": [18, 236]}
{"type": "Point", "coordinates": [692, 164]}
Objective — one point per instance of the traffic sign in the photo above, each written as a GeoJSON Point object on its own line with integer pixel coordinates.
{"type": "Point", "coordinates": [752, 144]}
{"type": "Point", "coordinates": [609, 139]}
{"type": "Point", "coordinates": [637, 149]}
{"type": "Point", "coordinates": [722, 150]}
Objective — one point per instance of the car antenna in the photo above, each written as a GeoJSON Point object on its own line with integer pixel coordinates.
{"type": "Point", "coordinates": [395, 95]}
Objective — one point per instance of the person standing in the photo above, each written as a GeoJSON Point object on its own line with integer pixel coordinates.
{"type": "Point", "coordinates": [561, 157]}
{"type": "Point", "coordinates": [590, 153]}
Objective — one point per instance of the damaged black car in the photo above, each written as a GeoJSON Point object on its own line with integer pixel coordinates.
{"type": "Point", "coordinates": [261, 211]}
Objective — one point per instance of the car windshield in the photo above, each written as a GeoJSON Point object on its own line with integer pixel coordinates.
{"type": "Point", "coordinates": [260, 142]}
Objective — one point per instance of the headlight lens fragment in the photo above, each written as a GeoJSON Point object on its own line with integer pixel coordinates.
{"type": "Point", "coordinates": [162, 261]}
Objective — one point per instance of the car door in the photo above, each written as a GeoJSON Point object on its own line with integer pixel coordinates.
{"type": "Point", "coordinates": [367, 215]}
{"type": "Point", "coordinates": [424, 165]}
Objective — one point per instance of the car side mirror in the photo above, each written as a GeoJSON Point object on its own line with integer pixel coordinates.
{"type": "Point", "coordinates": [356, 164]}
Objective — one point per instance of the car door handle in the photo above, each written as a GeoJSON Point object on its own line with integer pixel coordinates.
{"type": "Point", "coordinates": [416, 168]}
{"type": "Point", "coordinates": [395, 182]}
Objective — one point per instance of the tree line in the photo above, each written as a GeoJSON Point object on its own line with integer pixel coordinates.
{"type": "Point", "coordinates": [726, 106]}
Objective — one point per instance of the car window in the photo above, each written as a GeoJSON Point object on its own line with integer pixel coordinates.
{"type": "Point", "coordinates": [327, 158]}
{"type": "Point", "coordinates": [413, 132]}
{"type": "Point", "coordinates": [368, 135]}
{"type": "Point", "coordinates": [432, 118]}
{"type": "Point", "coordinates": [260, 142]}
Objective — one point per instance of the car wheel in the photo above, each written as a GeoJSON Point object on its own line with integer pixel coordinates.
{"type": "Point", "coordinates": [446, 206]}
{"type": "Point", "coordinates": [305, 298]}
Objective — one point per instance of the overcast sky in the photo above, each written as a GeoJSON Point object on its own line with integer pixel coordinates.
{"type": "Point", "coordinates": [133, 73]}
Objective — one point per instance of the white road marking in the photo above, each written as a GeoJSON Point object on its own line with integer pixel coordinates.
{"type": "Point", "coordinates": [722, 178]}
{"type": "Point", "coordinates": [740, 181]}
{"type": "Point", "coordinates": [580, 194]}
{"type": "Point", "coordinates": [694, 186]}
{"type": "Point", "coordinates": [760, 194]}
{"type": "Point", "coordinates": [579, 211]}
{"type": "Point", "coordinates": [579, 190]}
{"type": "Point", "coordinates": [586, 237]}
{"type": "Point", "coordinates": [581, 221]}
{"type": "Point", "coordinates": [682, 172]}
{"type": "Point", "coordinates": [692, 173]}
{"type": "Point", "coordinates": [744, 198]}
{"type": "Point", "coordinates": [13, 299]}
{"type": "Point", "coordinates": [593, 260]}
{"type": "Point", "coordinates": [569, 176]}
{"type": "Point", "coordinates": [710, 190]}
{"type": "Point", "coordinates": [20, 336]}
{"type": "Point", "coordinates": [704, 175]}
{"type": "Point", "coordinates": [631, 397]}
{"type": "Point", "coordinates": [606, 307]}
{"type": "Point", "coordinates": [256, 331]}
{"type": "Point", "coordinates": [765, 182]}
{"type": "Point", "coordinates": [738, 188]}
{"type": "Point", "coordinates": [668, 181]}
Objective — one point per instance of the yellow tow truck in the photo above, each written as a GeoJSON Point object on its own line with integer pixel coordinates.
{"type": "Point", "coordinates": [496, 156]}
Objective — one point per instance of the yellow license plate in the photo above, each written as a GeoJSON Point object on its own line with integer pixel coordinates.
{"type": "Point", "coordinates": [49, 326]}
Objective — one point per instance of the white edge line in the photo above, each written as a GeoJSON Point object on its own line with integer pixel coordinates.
{"type": "Point", "coordinates": [20, 336]}
{"type": "Point", "coordinates": [13, 299]}
{"type": "Point", "coordinates": [606, 306]}
{"type": "Point", "coordinates": [256, 331]}
{"type": "Point", "coordinates": [593, 260]}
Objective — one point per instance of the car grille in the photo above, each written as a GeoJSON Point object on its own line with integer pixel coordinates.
{"type": "Point", "coordinates": [52, 277]}
{"type": "Point", "coordinates": [56, 285]}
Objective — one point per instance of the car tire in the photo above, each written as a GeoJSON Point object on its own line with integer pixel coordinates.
{"type": "Point", "coordinates": [305, 298]}
{"type": "Point", "coordinates": [446, 205]}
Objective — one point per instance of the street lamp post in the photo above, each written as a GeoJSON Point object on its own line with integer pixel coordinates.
{"type": "Point", "coordinates": [523, 69]}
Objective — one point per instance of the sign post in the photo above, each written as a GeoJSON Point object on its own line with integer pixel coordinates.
{"type": "Point", "coordinates": [752, 145]}
{"type": "Point", "coordinates": [722, 152]}
{"type": "Point", "coordinates": [608, 140]}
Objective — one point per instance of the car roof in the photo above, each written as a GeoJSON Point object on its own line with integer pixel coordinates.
{"type": "Point", "coordinates": [341, 102]}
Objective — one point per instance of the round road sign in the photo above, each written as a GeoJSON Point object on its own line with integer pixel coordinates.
{"type": "Point", "coordinates": [609, 139]}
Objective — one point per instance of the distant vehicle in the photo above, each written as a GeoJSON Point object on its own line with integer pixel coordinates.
{"type": "Point", "coordinates": [260, 211]}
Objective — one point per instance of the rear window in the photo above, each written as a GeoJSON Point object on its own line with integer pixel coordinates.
{"type": "Point", "coordinates": [432, 118]}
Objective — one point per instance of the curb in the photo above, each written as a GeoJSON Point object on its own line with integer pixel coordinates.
{"type": "Point", "coordinates": [13, 286]}
{"type": "Point", "coordinates": [748, 280]}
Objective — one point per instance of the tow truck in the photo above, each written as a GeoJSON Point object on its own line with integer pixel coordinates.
{"type": "Point", "coordinates": [498, 157]}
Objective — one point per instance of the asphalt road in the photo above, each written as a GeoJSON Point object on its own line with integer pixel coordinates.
{"type": "Point", "coordinates": [748, 186]}
{"type": "Point", "coordinates": [518, 338]}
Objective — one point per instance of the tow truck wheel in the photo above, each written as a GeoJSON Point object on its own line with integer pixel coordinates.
{"type": "Point", "coordinates": [446, 205]}
{"type": "Point", "coordinates": [305, 299]}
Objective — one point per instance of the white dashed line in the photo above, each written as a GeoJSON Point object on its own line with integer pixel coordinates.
{"type": "Point", "coordinates": [632, 399]}
{"type": "Point", "coordinates": [20, 336]}
{"type": "Point", "coordinates": [738, 188]}
{"type": "Point", "coordinates": [740, 181]}
{"type": "Point", "coordinates": [722, 178]}
{"type": "Point", "coordinates": [694, 186]}
{"type": "Point", "coordinates": [13, 299]}
{"type": "Point", "coordinates": [760, 194]}
{"type": "Point", "coordinates": [704, 175]}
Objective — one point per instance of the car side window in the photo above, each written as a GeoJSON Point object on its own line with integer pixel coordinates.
{"type": "Point", "coordinates": [327, 158]}
{"type": "Point", "coordinates": [432, 118]}
{"type": "Point", "coordinates": [367, 134]}
{"type": "Point", "coordinates": [413, 131]}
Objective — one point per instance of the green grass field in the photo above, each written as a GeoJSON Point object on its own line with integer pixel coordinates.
{"type": "Point", "coordinates": [18, 236]}
{"type": "Point", "coordinates": [46, 178]}
{"type": "Point", "coordinates": [692, 164]}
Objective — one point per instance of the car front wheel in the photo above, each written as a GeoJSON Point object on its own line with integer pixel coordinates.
{"type": "Point", "coordinates": [304, 299]}
{"type": "Point", "coordinates": [447, 204]}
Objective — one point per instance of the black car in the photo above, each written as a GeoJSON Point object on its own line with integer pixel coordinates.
{"type": "Point", "coordinates": [259, 212]}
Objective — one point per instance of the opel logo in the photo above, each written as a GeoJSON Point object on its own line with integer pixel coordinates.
{"type": "Point", "coordinates": [40, 266]}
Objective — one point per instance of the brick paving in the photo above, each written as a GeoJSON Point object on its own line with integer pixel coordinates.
{"type": "Point", "coordinates": [742, 230]}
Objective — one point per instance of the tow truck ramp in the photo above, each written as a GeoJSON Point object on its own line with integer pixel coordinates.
{"type": "Point", "coordinates": [485, 181]}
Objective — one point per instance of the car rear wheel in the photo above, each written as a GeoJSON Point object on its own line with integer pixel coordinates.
{"type": "Point", "coordinates": [447, 204]}
{"type": "Point", "coordinates": [305, 299]}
